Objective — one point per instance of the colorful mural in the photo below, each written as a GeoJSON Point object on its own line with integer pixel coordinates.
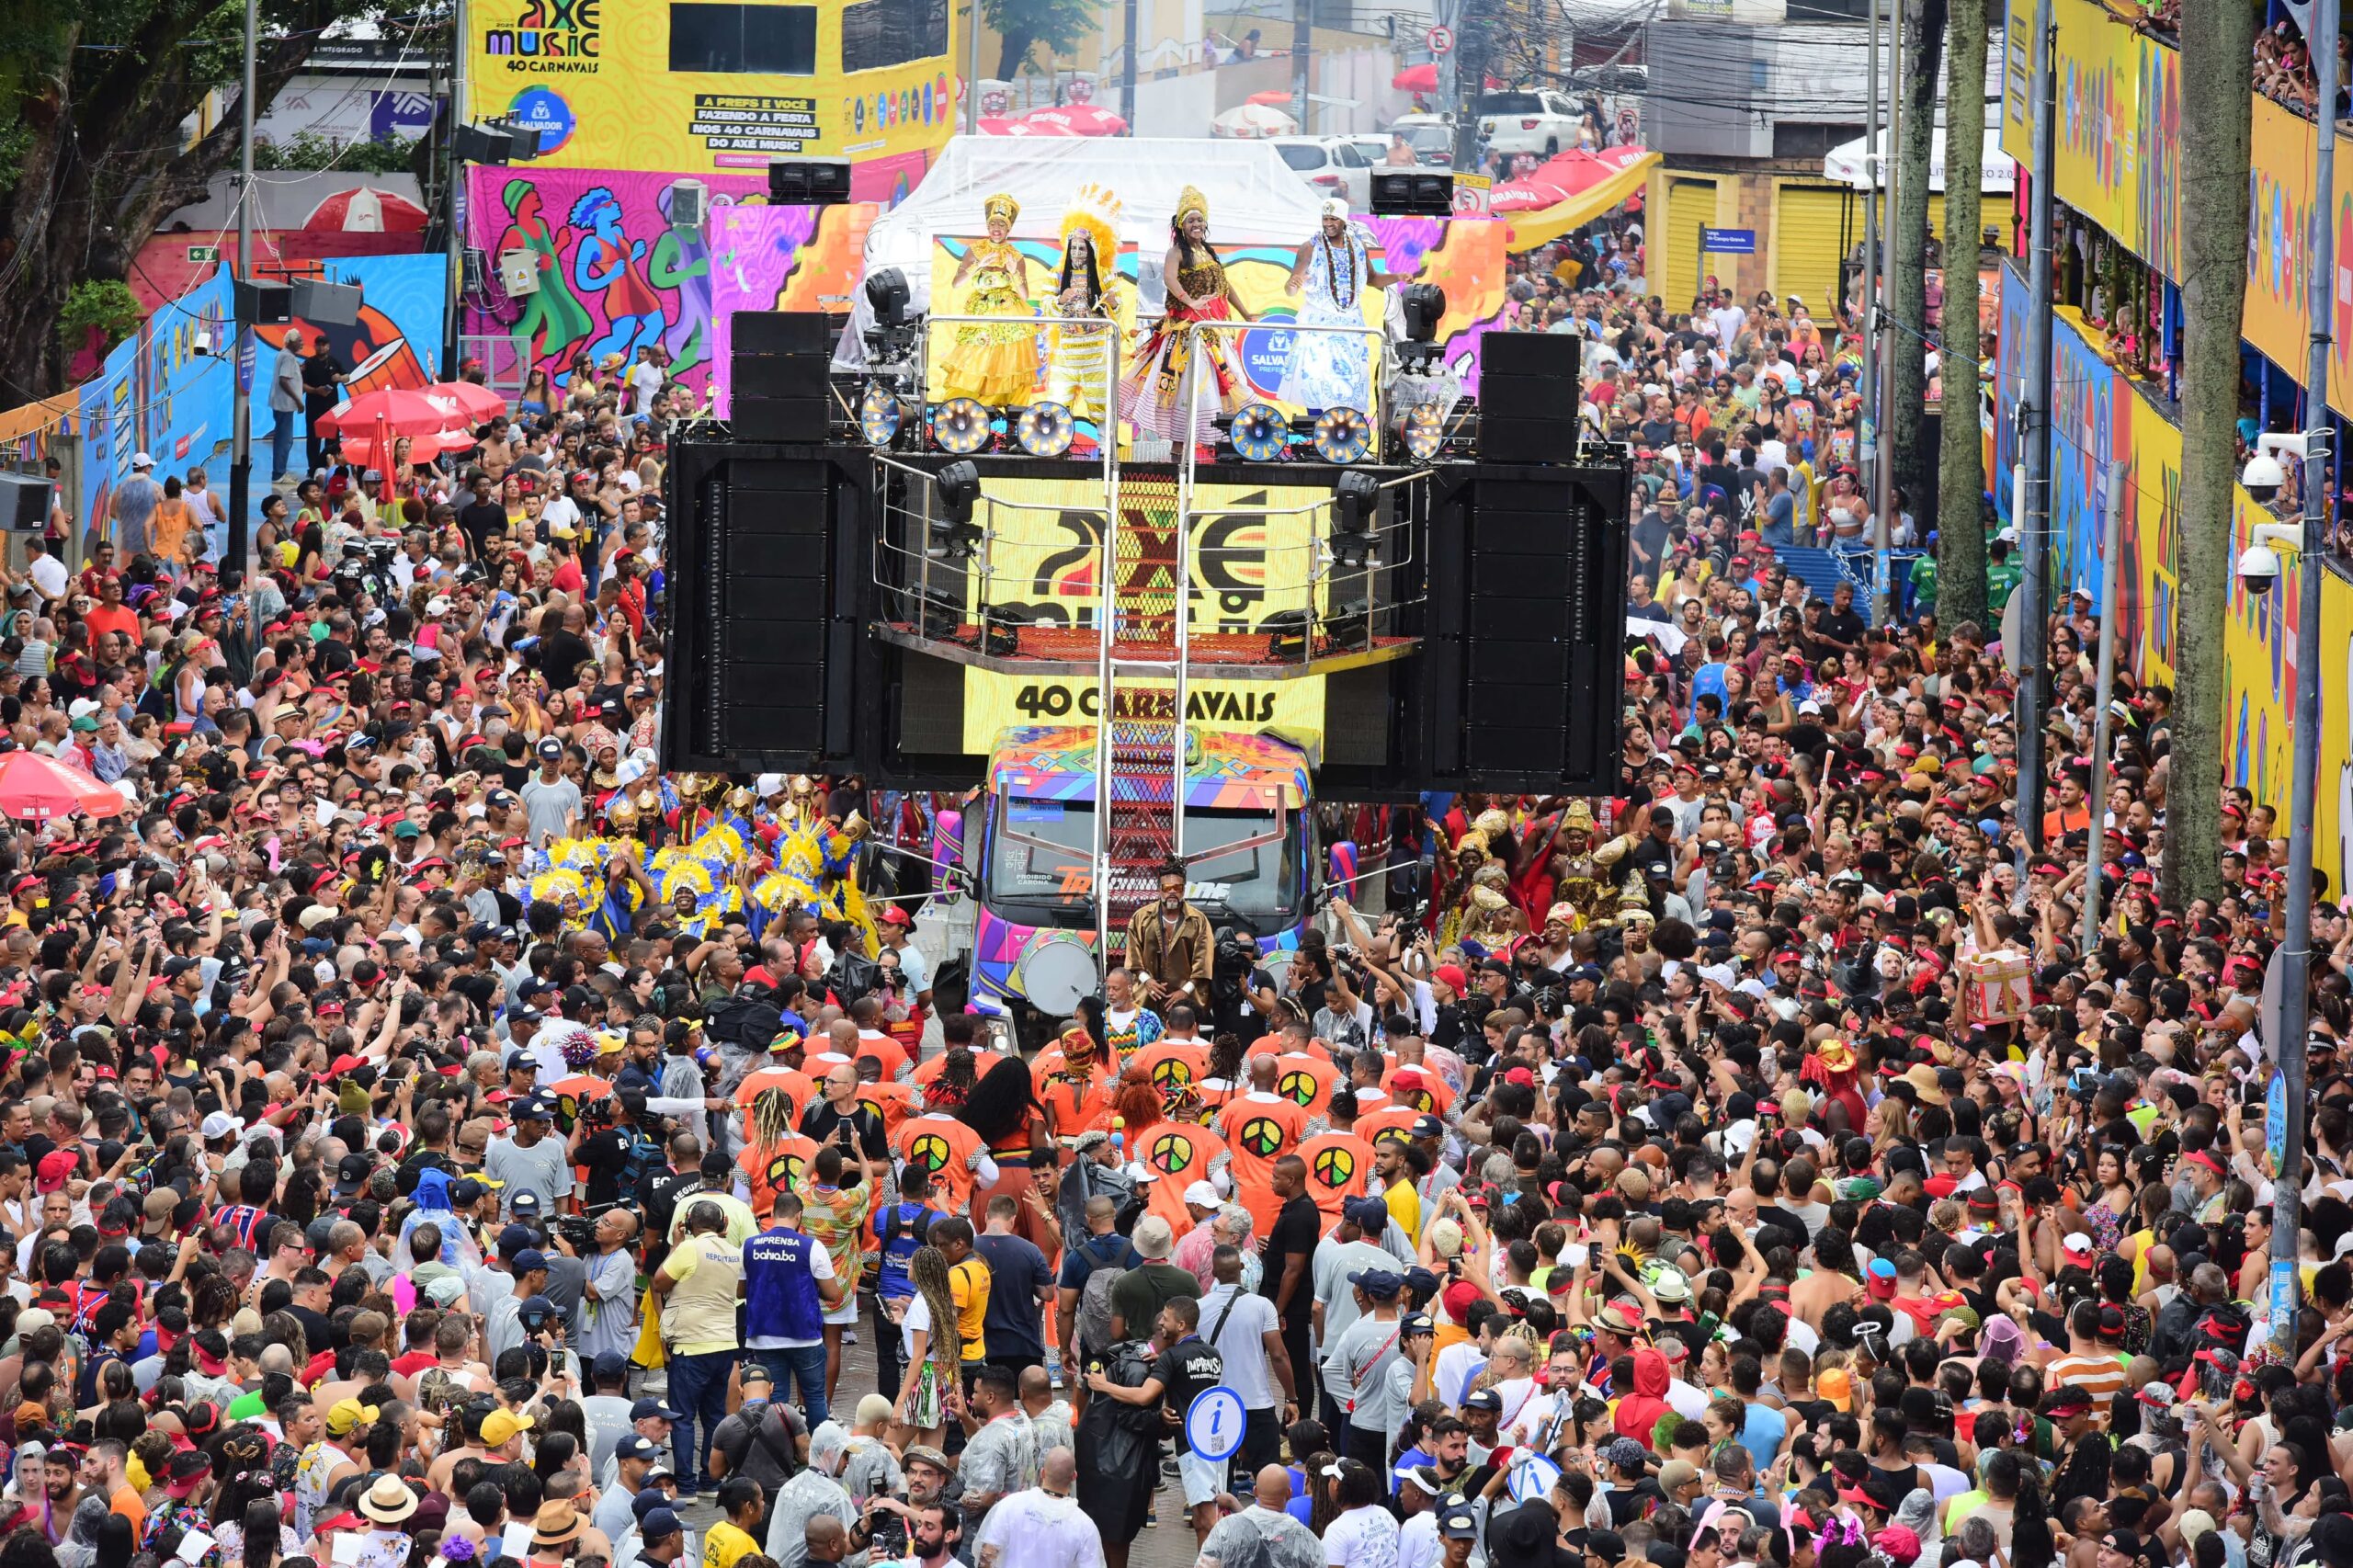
{"type": "Point", "coordinates": [616, 272]}
{"type": "Point", "coordinates": [2083, 443]}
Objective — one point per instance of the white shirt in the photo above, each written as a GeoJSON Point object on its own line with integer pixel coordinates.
{"type": "Point", "coordinates": [1361, 1538]}
{"type": "Point", "coordinates": [1457, 1365]}
{"type": "Point", "coordinates": [49, 574]}
{"type": "Point", "coordinates": [1037, 1530]}
{"type": "Point", "coordinates": [1239, 1339]}
{"type": "Point", "coordinates": [1417, 1544]}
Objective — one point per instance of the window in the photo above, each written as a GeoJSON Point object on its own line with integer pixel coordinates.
{"type": "Point", "coordinates": [1351, 155]}
{"type": "Point", "coordinates": [892, 32]}
{"type": "Point", "coordinates": [772, 40]}
{"type": "Point", "coordinates": [1302, 156]}
{"type": "Point", "coordinates": [1511, 103]}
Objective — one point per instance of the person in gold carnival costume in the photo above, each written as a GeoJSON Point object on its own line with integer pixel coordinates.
{"type": "Point", "coordinates": [994, 365]}
{"type": "Point", "coordinates": [1078, 370]}
{"type": "Point", "coordinates": [1152, 394]}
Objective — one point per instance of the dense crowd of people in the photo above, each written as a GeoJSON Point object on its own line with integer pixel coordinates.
{"type": "Point", "coordinates": [429, 1132]}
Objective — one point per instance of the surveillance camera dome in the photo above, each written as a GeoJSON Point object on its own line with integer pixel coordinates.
{"type": "Point", "coordinates": [2263, 476]}
{"type": "Point", "coordinates": [2258, 568]}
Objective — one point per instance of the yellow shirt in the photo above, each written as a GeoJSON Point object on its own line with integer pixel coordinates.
{"type": "Point", "coordinates": [968, 1283]}
{"type": "Point", "coordinates": [723, 1543]}
{"type": "Point", "coordinates": [1405, 1208]}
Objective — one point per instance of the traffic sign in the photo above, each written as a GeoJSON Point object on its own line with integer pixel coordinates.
{"type": "Point", "coordinates": [1728, 242]}
{"type": "Point", "coordinates": [1440, 40]}
{"type": "Point", "coordinates": [1213, 1424]}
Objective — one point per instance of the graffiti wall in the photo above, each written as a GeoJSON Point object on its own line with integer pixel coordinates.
{"type": "Point", "coordinates": [615, 272]}
{"type": "Point", "coordinates": [2084, 444]}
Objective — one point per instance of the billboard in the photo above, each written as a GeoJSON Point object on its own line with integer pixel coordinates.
{"type": "Point", "coordinates": [703, 87]}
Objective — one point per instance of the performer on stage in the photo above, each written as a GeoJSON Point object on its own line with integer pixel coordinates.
{"type": "Point", "coordinates": [1078, 369]}
{"type": "Point", "coordinates": [1152, 394]}
{"type": "Point", "coordinates": [1332, 369]}
{"type": "Point", "coordinates": [994, 365]}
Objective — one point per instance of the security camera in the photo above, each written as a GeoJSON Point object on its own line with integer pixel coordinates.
{"type": "Point", "coordinates": [201, 346]}
{"type": "Point", "coordinates": [2258, 564]}
{"type": "Point", "coordinates": [2262, 477]}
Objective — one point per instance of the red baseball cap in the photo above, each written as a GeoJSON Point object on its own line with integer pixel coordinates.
{"type": "Point", "coordinates": [56, 1168]}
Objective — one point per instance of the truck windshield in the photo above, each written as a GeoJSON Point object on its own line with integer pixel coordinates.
{"type": "Point", "coordinates": [1041, 877]}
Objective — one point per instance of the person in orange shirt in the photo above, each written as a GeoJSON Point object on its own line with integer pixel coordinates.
{"type": "Point", "coordinates": [1259, 1128]}
{"type": "Point", "coordinates": [1172, 1063]}
{"type": "Point", "coordinates": [896, 1102]}
{"type": "Point", "coordinates": [1179, 1155]}
{"type": "Point", "coordinates": [1339, 1166]}
{"type": "Point", "coordinates": [1306, 1080]}
{"type": "Point", "coordinates": [2072, 814]}
{"type": "Point", "coordinates": [783, 1072]}
{"type": "Point", "coordinates": [775, 1157]}
{"type": "Point", "coordinates": [1419, 1088]}
{"type": "Point", "coordinates": [1394, 1123]}
{"type": "Point", "coordinates": [866, 1037]}
{"type": "Point", "coordinates": [952, 1153]}
{"type": "Point", "coordinates": [1074, 1086]}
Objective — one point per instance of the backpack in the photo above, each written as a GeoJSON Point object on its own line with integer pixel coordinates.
{"type": "Point", "coordinates": [853, 975]}
{"type": "Point", "coordinates": [900, 1234]}
{"type": "Point", "coordinates": [1093, 1324]}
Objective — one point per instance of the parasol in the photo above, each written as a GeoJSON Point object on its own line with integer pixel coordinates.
{"type": "Point", "coordinates": [1420, 78]}
{"type": "Point", "coordinates": [1253, 122]}
{"type": "Point", "coordinates": [1077, 119]}
{"type": "Point", "coordinates": [34, 788]}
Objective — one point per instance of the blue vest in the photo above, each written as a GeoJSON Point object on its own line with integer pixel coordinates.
{"type": "Point", "coordinates": [780, 1291]}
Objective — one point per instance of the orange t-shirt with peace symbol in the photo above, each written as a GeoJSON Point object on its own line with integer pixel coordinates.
{"type": "Point", "coordinates": [1338, 1165]}
{"type": "Point", "coordinates": [1258, 1130]}
{"type": "Point", "coordinates": [1182, 1154]}
{"type": "Point", "coordinates": [948, 1151]}
{"type": "Point", "coordinates": [1306, 1080]}
{"type": "Point", "coordinates": [1395, 1122]}
{"type": "Point", "coordinates": [771, 1168]}
{"type": "Point", "coordinates": [893, 1102]}
{"type": "Point", "coordinates": [1418, 1089]}
{"type": "Point", "coordinates": [885, 1052]}
{"type": "Point", "coordinates": [1172, 1063]}
{"type": "Point", "coordinates": [798, 1087]}
{"type": "Point", "coordinates": [1072, 1108]}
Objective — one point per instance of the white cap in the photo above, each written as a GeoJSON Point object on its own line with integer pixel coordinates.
{"type": "Point", "coordinates": [1336, 206]}
{"type": "Point", "coordinates": [437, 607]}
{"type": "Point", "coordinates": [220, 1124]}
{"type": "Point", "coordinates": [140, 460]}
{"type": "Point", "coordinates": [1201, 1195]}
{"type": "Point", "coordinates": [81, 707]}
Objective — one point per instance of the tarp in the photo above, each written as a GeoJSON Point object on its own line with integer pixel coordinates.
{"type": "Point", "coordinates": [1590, 183]}
{"type": "Point", "coordinates": [1846, 163]}
{"type": "Point", "coordinates": [1254, 197]}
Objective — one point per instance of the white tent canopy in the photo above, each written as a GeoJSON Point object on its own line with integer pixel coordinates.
{"type": "Point", "coordinates": [1846, 162]}
{"type": "Point", "coordinates": [1254, 197]}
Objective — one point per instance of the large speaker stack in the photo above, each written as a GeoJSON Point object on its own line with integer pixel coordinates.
{"type": "Point", "coordinates": [1524, 677]}
{"type": "Point", "coordinates": [779, 368]}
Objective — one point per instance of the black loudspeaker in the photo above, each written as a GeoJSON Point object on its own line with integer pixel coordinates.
{"type": "Point", "coordinates": [327, 305]}
{"type": "Point", "coordinates": [809, 182]}
{"type": "Point", "coordinates": [262, 303]}
{"type": "Point", "coordinates": [24, 503]}
{"type": "Point", "coordinates": [1528, 397]}
{"type": "Point", "coordinates": [767, 586]}
{"type": "Point", "coordinates": [1543, 610]}
{"type": "Point", "coordinates": [1412, 193]}
{"type": "Point", "coordinates": [778, 370]}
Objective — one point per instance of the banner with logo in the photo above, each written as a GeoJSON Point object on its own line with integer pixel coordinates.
{"type": "Point", "coordinates": [697, 86]}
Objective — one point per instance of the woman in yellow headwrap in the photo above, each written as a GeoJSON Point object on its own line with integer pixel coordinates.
{"type": "Point", "coordinates": [1154, 394]}
{"type": "Point", "coordinates": [994, 365]}
{"type": "Point", "coordinates": [1078, 370]}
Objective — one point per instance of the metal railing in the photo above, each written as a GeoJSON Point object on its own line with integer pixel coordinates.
{"type": "Point", "coordinates": [505, 367]}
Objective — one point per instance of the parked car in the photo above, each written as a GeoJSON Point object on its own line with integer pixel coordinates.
{"type": "Point", "coordinates": [1534, 121]}
{"type": "Point", "coordinates": [1335, 165]}
{"type": "Point", "coordinates": [1431, 136]}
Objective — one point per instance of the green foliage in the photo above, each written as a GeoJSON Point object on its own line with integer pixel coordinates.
{"type": "Point", "coordinates": [107, 304]}
{"type": "Point", "coordinates": [309, 150]}
{"type": "Point", "coordinates": [1024, 24]}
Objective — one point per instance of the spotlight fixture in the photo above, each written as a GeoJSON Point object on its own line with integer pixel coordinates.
{"type": "Point", "coordinates": [960, 425]}
{"type": "Point", "coordinates": [953, 535]}
{"type": "Point", "coordinates": [1045, 429]}
{"type": "Point", "coordinates": [886, 294]}
{"type": "Point", "coordinates": [808, 182]}
{"type": "Point", "coordinates": [1420, 429]}
{"type": "Point", "coordinates": [1355, 512]}
{"type": "Point", "coordinates": [1424, 307]}
{"type": "Point", "coordinates": [1412, 193]}
{"type": "Point", "coordinates": [1342, 436]}
{"type": "Point", "coordinates": [1287, 636]}
{"type": "Point", "coordinates": [878, 416]}
{"type": "Point", "coordinates": [1260, 433]}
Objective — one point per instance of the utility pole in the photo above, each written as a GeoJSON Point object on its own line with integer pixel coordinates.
{"type": "Point", "coordinates": [1883, 412]}
{"type": "Point", "coordinates": [2119, 485]}
{"type": "Point", "coordinates": [2034, 436]}
{"type": "Point", "coordinates": [1302, 45]}
{"type": "Point", "coordinates": [1127, 70]}
{"type": "Point", "coordinates": [245, 363]}
{"type": "Point", "coordinates": [2296, 950]}
{"type": "Point", "coordinates": [454, 177]}
{"type": "Point", "coordinates": [1868, 445]}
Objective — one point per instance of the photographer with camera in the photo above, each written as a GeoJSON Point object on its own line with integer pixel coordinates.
{"type": "Point", "coordinates": [606, 1316]}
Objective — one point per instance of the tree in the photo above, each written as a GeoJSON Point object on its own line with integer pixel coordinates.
{"type": "Point", "coordinates": [92, 155]}
{"type": "Point", "coordinates": [1023, 25]}
{"type": "Point", "coordinates": [2217, 93]}
{"type": "Point", "coordinates": [1907, 287]}
{"type": "Point", "coordinates": [1961, 476]}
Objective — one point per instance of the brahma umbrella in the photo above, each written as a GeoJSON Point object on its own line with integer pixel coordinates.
{"type": "Point", "coordinates": [1253, 121]}
{"type": "Point", "coordinates": [34, 788]}
{"type": "Point", "coordinates": [1420, 78]}
{"type": "Point", "coordinates": [1077, 120]}
{"type": "Point", "coordinates": [473, 403]}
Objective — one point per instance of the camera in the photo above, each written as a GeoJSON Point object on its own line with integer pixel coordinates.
{"type": "Point", "coordinates": [2258, 568]}
{"type": "Point", "coordinates": [577, 1229]}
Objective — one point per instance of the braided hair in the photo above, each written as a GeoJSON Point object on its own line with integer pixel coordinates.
{"type": "Point", "coordinates": [771, 1118]}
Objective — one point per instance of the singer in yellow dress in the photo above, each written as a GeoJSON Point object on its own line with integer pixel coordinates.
{"type": "Point", "coordinates": [1078, 369]}
{"type": "Point", "coordinates": [993, 365]}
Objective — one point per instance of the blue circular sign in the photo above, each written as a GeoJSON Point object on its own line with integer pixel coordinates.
{"type": "Point", "coordinates": [543, 109]}
{"type": "Point", "coordinates": [1532, 1475]}
{"type": "Point", "coordinates": [1214, 1422]}
{"type": "Point", "coordinates": [1266, 351]}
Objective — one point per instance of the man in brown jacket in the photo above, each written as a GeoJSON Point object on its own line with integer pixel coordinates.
{"type": "Point", "coordinates": [1170, 946]}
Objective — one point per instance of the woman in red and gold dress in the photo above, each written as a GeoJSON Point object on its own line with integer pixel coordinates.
{"type": "Point", "coordinates": [1154, 394]}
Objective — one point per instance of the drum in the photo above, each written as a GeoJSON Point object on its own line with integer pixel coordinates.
{"type": "Point", "coordinates": [394, 365]}
{"type": "Point", "coordinates": [1057, 972]}
{"type": "Point", "coordinates": [1278, 965]}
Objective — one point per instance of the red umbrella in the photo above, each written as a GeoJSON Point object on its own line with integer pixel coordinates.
{"type": "Point", "coordinates": [1077, 120]}
{"type": "Point", "coordinates": [474, 403]}
{"type": "Point", "coordinates": [998, 125]}
{"type": "Point", "coordinates": [1417, 78]}
{"type": "Point", "coordinates": [399, 411]}
{"type": "Point", "coordinates": [1272, 98]}
{"type": "Point", "coordinates": [34, 788]}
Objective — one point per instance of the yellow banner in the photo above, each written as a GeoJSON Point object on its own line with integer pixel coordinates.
{"type": "Point", "coordinates": [2099, 117]}
{"type": "Point", "coordinates": [2018, 83]}
{"type": "Point", "coordinates": [700, 86]}
{"type": "Point", "coordinates": [1045, 553]}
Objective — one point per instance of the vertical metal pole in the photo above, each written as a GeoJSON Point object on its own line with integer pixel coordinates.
{"type": "Point", "coordinates": [1302, 45]}
{"type": "Point", "coordinates": [241, 414]}
{"type": "Point", "coordinates": [1128, 89]}
{"type": "Point", "coordinates": [1882, 412]}
{"type": "Point", "coordinates": [1866, 445]}
{"type": "Point", "coordinates": [2034, 436]}
{"type": "Point", "coordinates": [2296, 950]}
{"type": "Point", "coordinates": [2119, 485]}
{"type": "Point", "coordinates": [456, 179]}
{"type": "Point", "coordinates": [972, 72]}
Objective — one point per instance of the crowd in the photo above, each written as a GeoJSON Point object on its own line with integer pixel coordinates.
{"type": "Point", "coordinates": [429, 1135]}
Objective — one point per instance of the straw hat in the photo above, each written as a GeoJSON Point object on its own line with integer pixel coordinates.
{"type": "Point", "coordinates": [389, 1501]}
{"type": "Point", "coordinates": [557, 1525]}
